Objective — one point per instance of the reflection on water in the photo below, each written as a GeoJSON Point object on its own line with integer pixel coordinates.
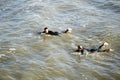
{"type": "Point", "coordinates": [26, 55]}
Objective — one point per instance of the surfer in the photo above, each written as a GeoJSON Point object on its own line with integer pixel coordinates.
{"type": "Point", "coordinates": [81, 49]}
{"type": "Point", "coordinates": [47, 31]}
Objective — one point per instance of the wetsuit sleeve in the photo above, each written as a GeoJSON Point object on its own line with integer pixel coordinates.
{"type": "Point", "coordinates": [77, 50]}
{"type": "Point", "coordinates": [82, 51]}
{"type": "Point", "coordinates": [43, 32]}
{"type": "Point", "coordinates": [100, 47]}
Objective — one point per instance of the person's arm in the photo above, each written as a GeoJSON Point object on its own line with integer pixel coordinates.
{"type": "Point", "coordinates": [105, 43]}
{"type": "Point", "coordinates": [100, 46]}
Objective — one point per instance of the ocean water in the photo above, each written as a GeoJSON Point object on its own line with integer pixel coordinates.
{"type": "Point", "coordinates": [26, 55]}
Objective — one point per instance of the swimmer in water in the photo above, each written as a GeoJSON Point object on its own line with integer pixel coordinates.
{"type": "Point", "coordinates": [99, 49]}
{"type": "Point", "coordinates": [47, 31]}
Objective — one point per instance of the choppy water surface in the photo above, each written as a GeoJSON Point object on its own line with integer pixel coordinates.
{"type": "Point", "coordinates": [25, 55]}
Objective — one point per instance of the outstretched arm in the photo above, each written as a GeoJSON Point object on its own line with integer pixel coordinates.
{"type": "Point", "coordinates": [105, 43]}
{"type": "Point", "coordinates": [100, 46]}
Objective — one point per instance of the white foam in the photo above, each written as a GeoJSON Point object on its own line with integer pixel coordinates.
{"type": "Point", "coordinates": [12, 49]}
{"type": "Point", "coordinates": [76, 53]}
{"type": "Point", "coordinates": [1, 55]}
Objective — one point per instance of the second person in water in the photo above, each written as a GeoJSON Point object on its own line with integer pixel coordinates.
{"type": "Point", "coordinates": [82, 50]}
{"type": "Point", "coordinates": [47, 31]}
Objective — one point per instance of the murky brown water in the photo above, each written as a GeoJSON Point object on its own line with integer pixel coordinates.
{"type": "Point", "coordinates": [25, 55]}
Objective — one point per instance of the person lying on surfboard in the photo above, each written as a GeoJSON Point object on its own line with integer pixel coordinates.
{"type": "Point", "coordinates": [81, 49]}
{"type": "Point", "coordinates": [47, 31]}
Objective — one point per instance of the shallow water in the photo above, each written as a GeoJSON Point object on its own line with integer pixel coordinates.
{"type": "Point", "coordinates": [25, 55]}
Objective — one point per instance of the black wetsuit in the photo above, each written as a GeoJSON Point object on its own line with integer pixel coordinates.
{"type": "Point", "coordinates": [52, 33]}
{"type": "Point", "coordinates": [65, 31]}
{"type": "Point", "coordinates": [82, 51]}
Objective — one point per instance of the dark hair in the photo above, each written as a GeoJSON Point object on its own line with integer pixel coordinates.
{"type": "Point", "coordinates": [45, 28]}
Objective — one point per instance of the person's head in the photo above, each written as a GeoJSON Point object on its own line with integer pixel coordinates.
{"type": "Point", "coordinates": [80, 47]}
{"type": "Point", "coordinates": [46, 30]}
